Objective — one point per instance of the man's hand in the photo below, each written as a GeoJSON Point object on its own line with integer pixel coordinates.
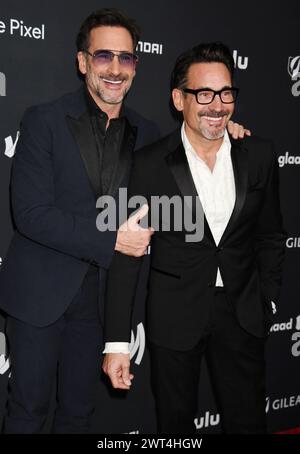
{"type": "Point", "coordinates": [237, 131]}
{"type": "Point", "coordinates": [132, 239]}
{"type": "Point", "coordinates": [116, 366]}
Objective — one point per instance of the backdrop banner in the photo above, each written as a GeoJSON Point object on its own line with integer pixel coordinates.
{"type": "Point", "coordinates": [38, 64]}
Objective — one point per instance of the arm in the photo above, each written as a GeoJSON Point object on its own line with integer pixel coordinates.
{"type": "Point", "coordinates": [120, 292]}
{"type": "Point", "coordinates": [33, 200]}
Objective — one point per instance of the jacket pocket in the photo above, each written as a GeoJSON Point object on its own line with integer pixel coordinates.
{"type": "Point", "coordinates": [165, 273]}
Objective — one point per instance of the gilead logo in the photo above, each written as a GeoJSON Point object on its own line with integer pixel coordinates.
{"type": "Point", "coordinates": [293, 242]}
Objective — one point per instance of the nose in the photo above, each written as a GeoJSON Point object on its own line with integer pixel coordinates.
{"type": "Point", "coordinates": [217, 103]}
{"type": "Point", "coordinates": [114, 66]}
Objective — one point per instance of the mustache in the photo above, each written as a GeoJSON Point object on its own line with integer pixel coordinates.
{"type": "Point", "coordinates": [213, 113]}
{"type": "Point", "coordinates": [113, 77]}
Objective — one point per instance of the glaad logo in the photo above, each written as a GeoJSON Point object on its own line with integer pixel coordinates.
{"type": "Point", "coordinates": [240, 62]}
{"type": "Point", "coordinates": [296, 338]}
{"type": "Point", "coordinates": [2, 84]}
{"type": "Point", "coordinates": [293, 242]}
{"type": "Point", "coordinates": [149, 48]}
{"type": "Point", "coordinates": [294, 71]}
{"type": "Point", "coordinates": [137, 344]}
{"type": "Point", "coordinates": [10, 145]}
{"type": "Point", "coordinates": [286, 326]}
{"type": "Point", "coordinates": [4, 362]}
{"type": "Point", "coordinates": [207, 420]}
{"type": "Point", "coordinates": [287, 159]}
{"type": "Point", "coordinates": [282, 402]}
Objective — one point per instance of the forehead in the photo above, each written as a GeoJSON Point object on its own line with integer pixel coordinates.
{"type": "Point", "coordinates": [106, 37]}
{"type": "Point", "coordinates": [213, 75]}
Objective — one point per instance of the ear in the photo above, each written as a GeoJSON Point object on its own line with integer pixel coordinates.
{"type": "Point", "coordinates": [82, 62]}
{"type": "Point", "coordinates": [177, 96]}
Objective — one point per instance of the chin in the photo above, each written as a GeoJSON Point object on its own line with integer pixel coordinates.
{"type": "Point", "coordinates": [213, 135]}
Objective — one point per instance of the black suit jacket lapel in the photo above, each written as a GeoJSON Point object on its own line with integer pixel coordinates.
{"type": "Point", "coordinates": [125, 157]}
{"type": "Point", "coordinates": [82, 132]}
{"type": "Point", "coordinates": [180, 169]}
{"type": "Point", "coordinates": [239, 158]}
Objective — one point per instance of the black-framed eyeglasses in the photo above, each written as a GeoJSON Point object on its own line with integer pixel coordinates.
{"type": "Point", "coordinates": [207, 95]}
{"type": "Point", "coordinates": [104, 57]}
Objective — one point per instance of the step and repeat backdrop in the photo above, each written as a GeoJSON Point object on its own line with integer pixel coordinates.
{"type": "Point", "coordinates": [38, 64]}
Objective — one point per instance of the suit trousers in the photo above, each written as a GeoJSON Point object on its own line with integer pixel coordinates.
{"type": "Point", "coordinates": [236, 365]}
{"type": "Point", "coordinates": [67, 352]}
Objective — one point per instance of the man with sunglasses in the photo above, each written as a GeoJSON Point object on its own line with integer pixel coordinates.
{"type": "Point", "coordinates": [70, 152]}
{"type": "Point", "coordinates": [215, 296]}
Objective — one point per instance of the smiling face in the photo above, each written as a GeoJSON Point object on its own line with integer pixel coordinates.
{"type": "Point", "coordinates": [107, 83]}
{"type": "Point", "coordinates": [209, 121]}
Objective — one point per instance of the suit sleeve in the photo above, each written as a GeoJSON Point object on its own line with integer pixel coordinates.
{"type": "Point", "coordinates": [270, 235]}
{"type": "Point", "coordinates": [123, 277]}
{"type": "Point", "coordinates": [35, 212]}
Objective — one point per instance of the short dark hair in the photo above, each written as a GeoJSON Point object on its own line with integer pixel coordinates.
{"type": "Point", "coordinates": [202, 53]}
{"type": "Point", "coordinates": [111, 17]}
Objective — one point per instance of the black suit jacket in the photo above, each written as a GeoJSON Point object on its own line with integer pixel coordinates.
{"type": "Point", "coordinates": [54, 187]}
{"type": "Point", "coordinates": [183, 274]}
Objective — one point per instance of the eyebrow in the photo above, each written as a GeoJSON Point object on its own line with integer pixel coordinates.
{"type": "Point", "coordinates": [209, 88]}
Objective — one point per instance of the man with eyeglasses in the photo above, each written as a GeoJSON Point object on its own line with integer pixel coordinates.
{"type": "Point", "coordinates": [215, 297]}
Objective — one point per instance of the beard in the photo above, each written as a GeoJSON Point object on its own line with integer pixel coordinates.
{"type": "Point", "coordinates": [105, 94]}
{"type": "Point", "coordinates": [108, 98]}
{"type": "Point", "coordinates": [213, 132]}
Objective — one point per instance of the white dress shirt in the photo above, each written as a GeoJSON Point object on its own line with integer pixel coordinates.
{"type": "Point", "coordinates": [216, 189]}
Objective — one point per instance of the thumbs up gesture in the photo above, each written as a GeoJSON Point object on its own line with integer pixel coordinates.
{"type": "Point", "coordinates": [132, 239]}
